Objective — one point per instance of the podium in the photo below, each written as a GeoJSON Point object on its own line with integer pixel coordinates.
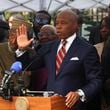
{"type": "Point", "coordinates": [34, 103]}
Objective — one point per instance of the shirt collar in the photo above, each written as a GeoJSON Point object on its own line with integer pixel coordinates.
{"type": "Point", "coordinates": [71, 38]}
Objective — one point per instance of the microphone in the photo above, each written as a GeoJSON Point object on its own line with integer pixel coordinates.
{"type": "Point", "coordinates": [15, 68]}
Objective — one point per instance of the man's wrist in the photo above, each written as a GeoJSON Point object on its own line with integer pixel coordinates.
{"type": "Point", "coordinates": [19, 52]}
{"type": "Point", "coordinates": [81, 94]}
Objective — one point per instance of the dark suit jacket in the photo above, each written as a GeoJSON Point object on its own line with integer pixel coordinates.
{"type": "Point", "coordinates": [80, 70]}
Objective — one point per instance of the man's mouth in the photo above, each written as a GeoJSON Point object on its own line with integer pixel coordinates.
{"type": "Point", "coordinates": [58, 33]}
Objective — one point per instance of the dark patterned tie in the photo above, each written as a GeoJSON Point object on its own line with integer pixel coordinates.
{"type": "Point", "coordinates": [60, 56]}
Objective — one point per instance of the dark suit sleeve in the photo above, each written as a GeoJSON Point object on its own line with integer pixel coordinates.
{"type": "Point", "coordinates": [34, 62]}
{"type": "Point", "coordinates": [93, 73]}
{"type": "Point", "coordinates": [23, 59]}
{"type": "Point", "coordinates": [30, 63]}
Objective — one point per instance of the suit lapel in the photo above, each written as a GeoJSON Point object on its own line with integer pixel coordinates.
{"type": "Point", "coordinates": [71, 52]}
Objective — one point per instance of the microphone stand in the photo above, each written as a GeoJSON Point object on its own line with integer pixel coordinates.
{"type": "Point", "coordinates": [21, 87]}
{"type": "Point", "coordinates": [7, 91]}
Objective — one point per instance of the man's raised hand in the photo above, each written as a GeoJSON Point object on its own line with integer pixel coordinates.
{"type": "Point", "coordinates": [22, 38]}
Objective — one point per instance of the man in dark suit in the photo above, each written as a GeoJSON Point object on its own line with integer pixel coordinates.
{"type": "Point", "coordinates": [79, 78]}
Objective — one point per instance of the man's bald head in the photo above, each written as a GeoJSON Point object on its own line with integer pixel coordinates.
{"type": "Point", "coordinates": [68, 14]}
{"type": "Point", "coordinates": [47, 33]}
{"type": "Point", "coordinates": [48, 27]}
{"type": "Point", "coordinates": [66, 23]}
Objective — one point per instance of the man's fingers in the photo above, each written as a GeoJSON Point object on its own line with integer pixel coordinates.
{"type": "Point", "coordinates": [24, 29]}
{"type": "Point", "coordinates": [30, 41]}
{"type": "Point", "coordinates": [71, 99]}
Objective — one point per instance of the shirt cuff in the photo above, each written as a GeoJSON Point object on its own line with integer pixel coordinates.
{"type": "Point", "coordinates": [19, 52]}
{"type": "Point", "coordinates": [82, 95]}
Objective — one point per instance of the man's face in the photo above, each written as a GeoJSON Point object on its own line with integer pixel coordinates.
{"type": "Point", "coordinates": [105, 30]}
{"type": "Point", "coordinates": [46, 34]}
{"type": "Point", "coordinates": [66, 25]}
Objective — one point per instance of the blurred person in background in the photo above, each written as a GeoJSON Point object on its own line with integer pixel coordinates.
{"type": "Point", "coordinates": [4, 34]}
{"type": "Point", "coordinates": [95, 36]}
{"type": "Point", "coordinates": [38, 79]}
{"type": "Point", "coordinates": [47, 34]}
{"type": "Point", "coordinates": [42, 17]}
{"type": "Point", "coordinates": [6, 57]}
{"type": "Point", "coordinates": [15, 21]}
{"type": "Point", "coordinates": [103, 50]}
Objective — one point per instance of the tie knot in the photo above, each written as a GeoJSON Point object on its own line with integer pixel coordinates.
{"type": "Point", "coordinates": [64, 42]}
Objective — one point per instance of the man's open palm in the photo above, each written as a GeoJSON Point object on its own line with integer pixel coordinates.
{"type": "Point", "coordinates": [22, 38]}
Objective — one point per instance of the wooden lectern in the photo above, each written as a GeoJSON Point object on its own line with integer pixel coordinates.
{"type": "Point", "coordinates": [34, 103]}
